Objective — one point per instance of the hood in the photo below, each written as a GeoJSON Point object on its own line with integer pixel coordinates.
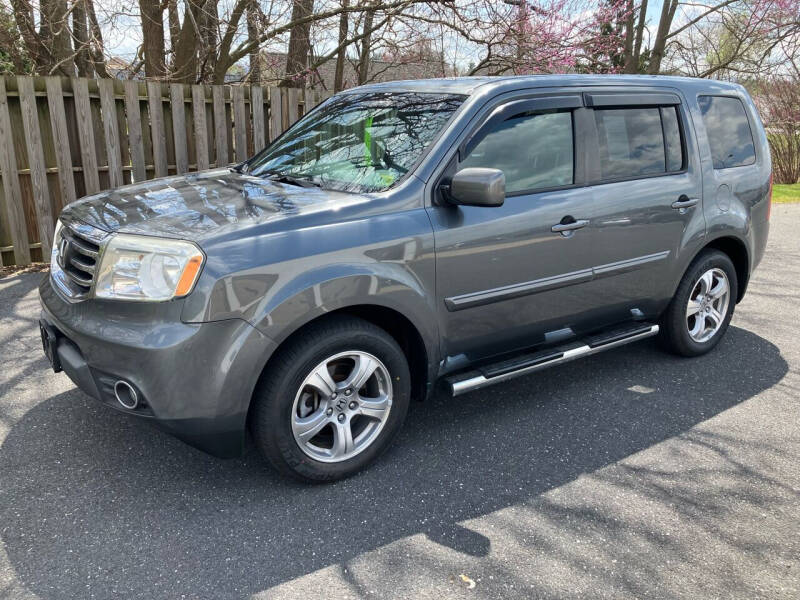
{"type": "Point", "coordinates": [201, 205]}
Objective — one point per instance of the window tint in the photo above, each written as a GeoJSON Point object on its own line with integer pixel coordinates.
{"type": "Point", "coordinates": [631, 142]}
{"type": "Point", "coordinates": [728, 131]}
{"type": "Point", "coordinates": [534, 150]}
{"type": "Point", "coordinates": [672, 138]}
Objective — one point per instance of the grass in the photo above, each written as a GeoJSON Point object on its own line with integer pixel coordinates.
{"type": "Point", "coordinates": [786, 192]}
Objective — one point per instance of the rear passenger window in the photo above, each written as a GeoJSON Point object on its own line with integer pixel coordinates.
{"type": "Point", "coordinates": [636, 142]}
{"type": "Point", "coordinates": [534, 150]}
{"type": "Point", "coordinates": [728, 131]}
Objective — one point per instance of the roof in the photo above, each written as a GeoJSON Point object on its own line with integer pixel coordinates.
{"type": "Point", "coordinates": [467, 85]}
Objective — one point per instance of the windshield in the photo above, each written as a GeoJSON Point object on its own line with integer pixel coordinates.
{"type": "Point", "coordinates": [358, 142]}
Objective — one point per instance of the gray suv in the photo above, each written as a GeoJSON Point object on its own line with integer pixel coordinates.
{"type": "Point", "coordinates": [457, 231]}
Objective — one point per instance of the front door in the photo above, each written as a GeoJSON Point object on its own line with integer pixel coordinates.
{"type": "Point", "coordinates": [510, 277]}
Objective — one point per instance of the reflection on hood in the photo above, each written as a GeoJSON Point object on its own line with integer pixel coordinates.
{"type": "Point", "coordinates": [197, 205]}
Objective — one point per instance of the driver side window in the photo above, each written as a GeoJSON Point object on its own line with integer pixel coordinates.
{"type": "Point", "coordinates": [533, 149]}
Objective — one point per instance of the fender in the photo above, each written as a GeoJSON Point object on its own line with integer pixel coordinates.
{"type": "Point", "coordinates": [280, 280]}
{"type": "Point", "coordinates": [710, 241]}
{"type": "Point", "coordinates": [316, 293]}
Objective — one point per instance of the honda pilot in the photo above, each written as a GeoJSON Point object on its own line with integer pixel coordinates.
{"type": "Point", "coordinates": [408, 236]}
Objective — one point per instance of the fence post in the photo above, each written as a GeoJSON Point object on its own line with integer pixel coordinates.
{"type": "Point", "coordinates": [33, 140]}
{"type": "Point", "coordinates": [58, 122]}
{"type": "Point", "coordinates": [134, 115]}
{"type": "Point", "coordinates": [179, 127]}
{"type": "Point", "coordinates": [108, 110]}
{"type": "Point", "coordinates": [294, 100]}
{"type": "Point", "coordinates": [257, 107]}
{"type": "Point", "coordinates": [83, 114]}
{"type": "Point", "coordinates": [239, 123]}
{"type": "Point", "coordinates": [200, 127]}
{"type": "Point", "coordinates": [275, 116]}
{"type": "Point", "coordinates": [220, 126]}
{"type": "Point", "coordinates": [157, 132]}
{"type": "Point", "coordinates": [13, 196]}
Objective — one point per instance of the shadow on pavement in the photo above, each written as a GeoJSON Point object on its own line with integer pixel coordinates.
{"type": "Point", "coordinates": [92, 502]}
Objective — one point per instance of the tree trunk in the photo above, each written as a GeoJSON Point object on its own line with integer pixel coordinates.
{"type": "Point", "coordinates": [96, 48]}
{"type": "Point", "coordinates": [338, 77]}
{"type": "Point", "coordinates": [299, 44]}
{"type": "Point", "coordinates": [364, 57]}
{"type": "Point", "coordinates": [153, 38]}
{"type": "Point", "coordinates": [252, 37]}
{"type": "Point", "coordinates": [637, 45]}
{"type": "Point", "coordinates": [80, 34]}
{"type": "Point", "coordinates": [207, 50]}
{"type": "Point", "coordinates": [659, 45]}
{"type": "Point", "coordinates": [55, 35]}
{"type": "Point", "coordinates": [224, 59]}
{"type": "Point", "coordinates": [184, 63]}
{"type": "Point", "coordinates": [23, 15]}
{"type": "Point", "coordinates": [174, 24]}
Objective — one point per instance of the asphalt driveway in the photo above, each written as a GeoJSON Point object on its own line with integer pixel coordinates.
{"type": "Point", "coordinates": [628, 474]}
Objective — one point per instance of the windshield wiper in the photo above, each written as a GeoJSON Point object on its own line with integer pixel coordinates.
{"type": "Point", "coordinates": [291, 180]}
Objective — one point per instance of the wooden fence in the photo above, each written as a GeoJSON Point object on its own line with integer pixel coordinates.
{"type": "Point", "coordinates": [61, 139]}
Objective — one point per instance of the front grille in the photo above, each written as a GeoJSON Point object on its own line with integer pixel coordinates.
{"type": "Point", "coordinates": [77, 258]}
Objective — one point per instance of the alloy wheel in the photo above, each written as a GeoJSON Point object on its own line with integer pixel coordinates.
{"type": "Point", "coordinates": [342, 406]}
{"type": "Point", "coordinates": [708, 305]}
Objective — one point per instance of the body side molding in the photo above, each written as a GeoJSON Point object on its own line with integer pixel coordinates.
{"type": "Point", "coordinates": [516, 290]}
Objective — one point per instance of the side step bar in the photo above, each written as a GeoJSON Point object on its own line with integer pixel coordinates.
{"type": "Point", "coordinates": [462, 383]}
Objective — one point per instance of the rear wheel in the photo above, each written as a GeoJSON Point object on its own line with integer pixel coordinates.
{"type": "Point", "coordinates": [332, 400]}
{"type": "Point", "coordinates": [702, 307]}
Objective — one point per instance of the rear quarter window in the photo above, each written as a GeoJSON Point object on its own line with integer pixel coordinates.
{"type": "Point", "coordinates": [728, 130]}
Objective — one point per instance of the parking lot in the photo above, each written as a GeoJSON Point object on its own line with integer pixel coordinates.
{"type": "Point", "coordinates": [629, 474]}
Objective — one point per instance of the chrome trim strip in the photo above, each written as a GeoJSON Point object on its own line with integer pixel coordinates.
{"type": "Point", "coordinates": [80, 243]}
{"type": "Point", "coordinates": [515, 290]}
{"type": "Point", "coordinates": [84, 281]}
{"type": "Point", "coordinates": [478, 382]}
{"type": "Point", "coordinates": [507, 292]}
{"type": "Point", "coordinates": [79, 264]}
{"type": "Point", "coordinates": [630, 264]}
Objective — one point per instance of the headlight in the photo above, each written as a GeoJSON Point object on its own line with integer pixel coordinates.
{"type": "Point", "coordinates": [142, 268]}
{"type": "Point", "coordinates": [54, 266]}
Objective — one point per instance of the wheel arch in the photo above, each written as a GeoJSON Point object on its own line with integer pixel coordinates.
{"type": "Point", "coordinates": [395, 323]}
{"type": "Point", "coordinates": [737, 251]}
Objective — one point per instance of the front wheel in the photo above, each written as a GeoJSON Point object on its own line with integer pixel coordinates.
{"type": "Point", "coordinates": [699, 313]}
{"type": "Point", "coordinates": [332, 400]}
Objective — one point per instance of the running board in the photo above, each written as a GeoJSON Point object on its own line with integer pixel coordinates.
{"type": "Point", "coordinates": [462, 383]}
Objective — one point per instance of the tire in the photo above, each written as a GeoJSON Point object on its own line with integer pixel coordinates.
{"type": "Point", "coordinates": [294, 399]}
{"type": "Point", "coordinates": [681, 330]}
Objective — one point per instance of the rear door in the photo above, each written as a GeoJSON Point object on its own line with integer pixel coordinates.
{"type": "Point", "coordinates": [647, 194]}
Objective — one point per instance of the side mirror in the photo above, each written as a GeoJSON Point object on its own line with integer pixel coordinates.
{"type": "Point", "coordinates": [478, 187]}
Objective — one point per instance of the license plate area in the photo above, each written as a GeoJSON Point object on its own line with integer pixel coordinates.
{"type": "Point", "coordinates": [50, 345]}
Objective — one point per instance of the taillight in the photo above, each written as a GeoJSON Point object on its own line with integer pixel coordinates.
{"type": "Point", "coordinates": [769, 198]}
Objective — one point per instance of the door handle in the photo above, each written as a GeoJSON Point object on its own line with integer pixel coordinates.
{"type": "Point", "coordinates": [685, 202]}
{"type": "Point", "coordinates": [568, 225]}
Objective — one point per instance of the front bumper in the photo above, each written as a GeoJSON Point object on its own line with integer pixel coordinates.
{"type": "Point", "coordinates": [194, 380]}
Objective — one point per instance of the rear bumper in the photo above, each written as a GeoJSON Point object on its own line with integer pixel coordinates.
{"type": "Point", "coordinates": [193, 380]}
{"type": "Point", "coordinates": [760, 235]}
